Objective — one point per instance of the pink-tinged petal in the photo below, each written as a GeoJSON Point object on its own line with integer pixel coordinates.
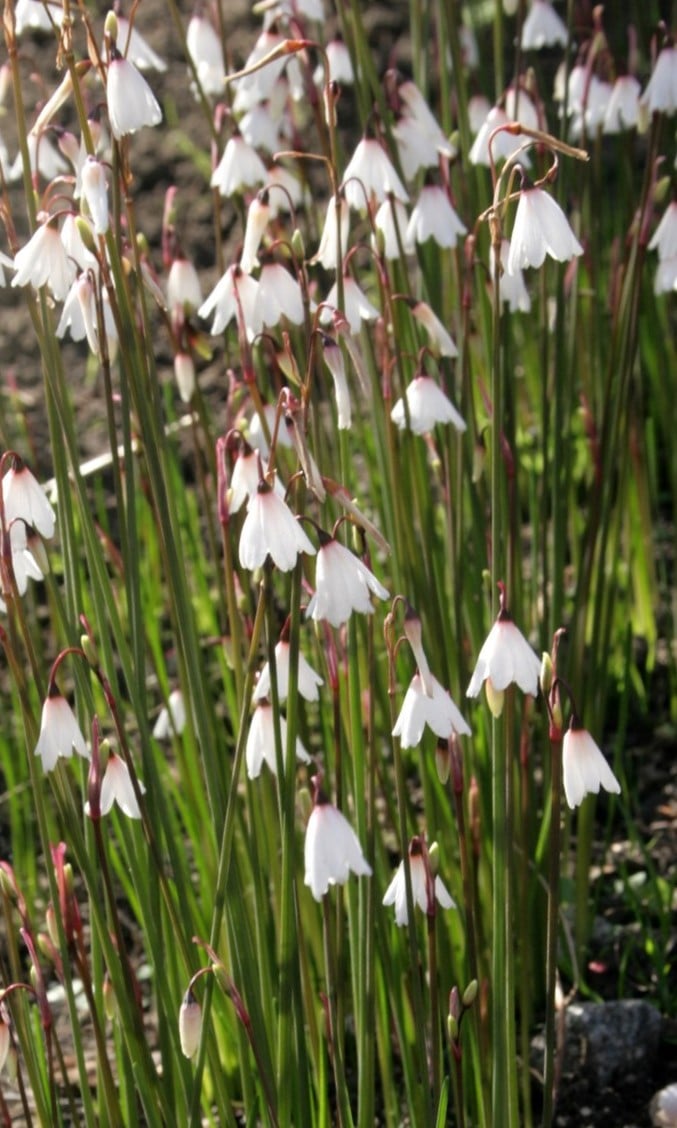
{"type": "Point", "coordinates": [585, 768]}
{"type": "Point", "coordinates": [116, 787]}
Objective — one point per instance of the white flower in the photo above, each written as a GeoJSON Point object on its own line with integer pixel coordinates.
{"type": "Point", "coordinates": [343, 584]}
{"type": "Point", "coordinates": [43, 261]}
{"type": "Point", "coordinates": [279, 295]}
{"type": "Point", "coordinates": [270, 529]}
{"type": "Point", "coordinates": [356, 305]}
{"type": "Point", "coordinates": [260, 129]}
{"type": "Point", "coordinates": [340, 64]}
{"type": "Point", "coordinates": [505, 657]}
{"type": "Point", "coordinates": [392, 221]}
{"type": "Point", "coordinates": [660, 95]}
{"type": "Point", "coordinates": [438, 711]}
{"type": "Point", "coordinates": [442, 343]}
{"type": "Point", "coordinates": [117, 787]}
{"type": "Point", "coordinates": [434, 218]}
{"type": "Point", "coordinates": [257, 86]}
{"type": "Point", "coordinates": [43, 157]}
{"type": "Point", "coordinates": [664, 238]}
{"type": "Point", "coordinates": [543, 28]}
{"type": "Point", "coordinates": [540, 228]}
{"type": "Point", "coordinates": [511, 287]}
{"type": "Point", "coordinates": [190, 1025]}
{"type": "Point", "coordinates": [258, 215]}
{"type": "Point", "coordinates": [308, 679]}
{"type": "Point", "coordinates": [396, 893]}
{"type": "Point", "coordinates": [131, 102]}
{"type": "Point", "coordinates": [257, 435]}
{"type": "Point", "coordinates": [584, 766]}
{"type": "Point", "coordinates": [24, 564]}
{"type": "Point", "coordinates": [427, 406]}
{"type": "Point", "coordinates": [622, 110]}
{"type": "Point", "coordinates": [172, 717]}
{"type": "Point", "coordinates": [240, 167]}
{"type": "Point", "coordinates": [24, 498]}
{"type": "Point", "coordinates": [520, 106]}
{"type": "Point", "coordinates": [205, 49]}
{"type": "Point", "coordinates": [666, 276]}
{"type": "Point", "coordinates": [333, 358]}
{"type": "Point", "coordinates": [183, 286]}
{"type": "Point", "coordinates": [332, 850]}
{"type": "Point", "coordinates": [136, 48]}
{"type": "Point", "coordinates": [503, 145]}
{"type": "Point", "coordinates": [234, 292]}
{"type": "Point", "coordinates": [479, 108]}
{"type": "Point", "coordinates": [184, 374]}
{"type": "Point", "coordinates": [370, 173]}
{"type": "Point", "coordinates": [75, 247]}
{"type": "Point", "coordinates": [60, 732]}
{"type": "Point", "coordinates": [415, 147]}
{"type": "Point", "coordinates": [95, 192]}
{"type": "Point", "coordinates": [286, 190]}
{"type": "Point", "coordinates": [419, 110]}
{"type": "Point", "coordinates": [261, 741]}
{"type": "Point", "coordinates": [337, 223]}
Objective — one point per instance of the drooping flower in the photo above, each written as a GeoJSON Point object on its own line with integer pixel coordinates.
{"type": "Point", "coordinates": [131, 102]}
{"type": "Point", "coordinates": [117, 787]}
{"type": "Point", "coordinates": [205, 49]}
{"type": "Point", "coordinates": [503, 144]}
{"type": "Point", "coordinates": [425, 889]}
{"type": "Point", "coordinates": [585, 767]}
{"type": "Point", "coordinates": [332, 850]}
{"type": "Point", "coordinates": [190, 1024]}
{"type": "Point", "coordinates": [308, 680]}
{"type": "Point", "coordinates": [171, 718]}
{"type": "Point", "coordinates": [356, 305]}
{"type": "Point", "coordinates": [427, 406]}
{"type": "Point", "coordinates": [660, 95]}
{"type": "Point", "coordinates": [543, 27]}
{"type": "Point", "coordinates": [260, 129]}
{"type": "Point", "coordinates": [664, 238]}
{"type": "Point", "coordinates": [438, 711]}
{"type": "Point", "coordinates": [336, 228]}
{"type": "Point", "coordinates": [235, 292]}
{"type": "Point", "coordinates": [258, 215]}
{"type": "Point", "coordinates": [60, 733]}
{"type": "Point", "coordinates": [240, 167]}
{"type": "Point", "coordinates": [183, 286]}
{"type": "Point", "coordinates": [279, 295]}
{"type": "Point", "coordinates": [260, 746]}
{"type": "Point", "coordinates": [24, 498]}
{"type": "Point", "coordinates": [95, 193]}
{"type": "Point", "coordinates": [540, 228]}
{"type": "Point", "coordinates": [622, 110]}
{"type": "Point", "coordinates": [419, 110]}
{"type": "Point", "coordinates": [434, 217]}
{"type": "Point", "coordinates": [333, 358]}
{"type": "Point", "coordinates": [43, 261]}
{"type": "Point", "coordinates": [666, 276]}
{"type": "Point", "coordinates": [392, 223]}
{"type": "Point", "coordinates": [511, 287]}
{"type": "Point", "coordinates": [24, 564]}
{"type": "Point", "coordinates": [136, 48]}
{"type": "Point", "coordinates": [505, 657]}
{"type": "Point", "coordinates": [343, 584]}
{"type": "Point", "coordinates": [257, 85]}
{"type": "Point", "coordinates": [441, 343]}
{"type": "Point", "coordinates": [370, 175]}
{"type": "Point", "coordinates": [270, 529]}
{"type": "Point", "coordinates": [340, 63]}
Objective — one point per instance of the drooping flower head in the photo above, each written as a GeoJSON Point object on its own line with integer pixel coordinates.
{"type": "Point", "coordinates": [343, 584]}
{"type": "Point", "coordinates": [332, 850]}
{"type": "Point", "coordinates": [270, 529]}
{"type": "Point", "coordinates": [131, 102]}
{"type": "Point", "coordinates": [585, 768]}
{"type": "Point", "coordinates": [25, 499]}
{"type": "Point", "coordinates": [437, 710]}
{"type": "Point", "coordinates": [60, 733]}
{"type": "Point", "coordinates": [505, 657]}
{"type": "Point", "coordinates": [260, 746]}
{"type": "Point", "coordinates": [540, 228]}
{"type": "Point", "coordinates": [426, 889]}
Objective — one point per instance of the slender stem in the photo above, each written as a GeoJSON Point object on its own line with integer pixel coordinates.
{"type": "Point", "coordinates": [552, 922]}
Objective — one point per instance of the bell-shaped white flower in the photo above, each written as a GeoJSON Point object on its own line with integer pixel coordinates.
{"type": "Point", "coordinates": [438, 711]}
{"type": "Point", "coordinates": [43, 262]}
{"type": "Point", "coordinates": [240, 167]}
{"type": "Point", "coordinates": [279, 295]}
{"type": "Point", "coordinates": [343, 584]}
{"type": "Point", "coordinates": [260, 129]}
{"type": "Point", "coordinates": [258, 215]}
{"type": "Point", "coordinates": [511, 287]}
{"type": "Point", "coordinates": [95, 193]}
{"type": "Point", "coordinates": [427, 406]}
{"type": "Point", "coordinates": [60, 733]}
{"type": "Point", "coordinates": [336, 226]}
{"type": "Point", "coordinates": [540, 228]}
{"type": "Point", "coordinates": [24, 564]}
{"type": "Point", "coordinates": [423, 886]}
{"type": "Point", "coordinates": [622, 110]}
{"type": "Point", "coordinates": [75, 246]}
{"type": "Point", "coordinates": [340, 63]}
{"type": "Point", "coordinates": [370, 175]}
{"type": "Point", "coordinates": [257, 435]}
{"type": "Point", "coordinates": [543, 27]}
{"type": "Point", "coordinates": [270, 529]}
{"type": "Point", "coordinates": [503, 144]}
{"type": "Point", "coordinates": [333, 358]}
{"type": "Point", "coordinates": [660, 95]}
{"type": "Point", "coordinates": [257, 86]}
{"type": "Point", "coordinates": [392, 221]}
{"type": "Point", "coordinates": [235, 292]}
{"type": "Point", "coordinates": [25, 499]}
{"type": "Point", "coordinates": [505, 657]}
{"type": "Point", "coordinates": [441, 342]}
{"type": "Point", "coordinates": [205, 49]}
{"type": "Point", "coordinates": [665, 281]}
{"type": "Point", "coordinates": [245, 477]}
{"type": "Point", "coordinates": [415, 148]}
{"type": "Point", "coordinates": [117, 787]}
{"type": "Point", "coordinates": [356, 305]}
{"type": "Point", "coordinates": [285, 191]}
{"type": "Point", "coordinates": [260, 747]}
{"type": "Point", "coordinates": [190, 1024]}
{"type": "Point", "coordinates": [308, 680]}
{"type": "Point", "coordinates": [183, 286]}
{"type": "Point", "coordinates": [44, 158]}
{"type": "Point", "coordinates": [520, 106]}
{"type": "Point", "coordinates": [171, 718]}
{"type": "Point", "coordinates": [434, 217]}
{"type": "Point", "coordinates": [131, 102]}
{"type": "Point", "coordinates": [419, 110]}
{"type": "Point", "coordinates": [184, 374]}
{"type": "Point", "coordinates": [585, 768]}
{"type": "Point", "coordinates": [32, 15]}
{"type": "Point", "coordinates": [332, 850]}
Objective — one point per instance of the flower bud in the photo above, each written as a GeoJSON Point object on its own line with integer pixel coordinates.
{"type": "Point", "coordinates": [470, 993]}
{"type": "Point", "coordinates": [111, 27]}
{"type": "Point", "coordinates": [89, 650]}
{"type": "Point", "coordinates": [452, 1027]}
{"type": "Point", "coordinates": [86, 234]}
{"type": "Point", "coordinates": [454, 1004]}
{"type": "Point", "coordinates": [297, 245]}
{"type": "Point", "coordinates": [110, 1004]}
{"type": "Point", "coordinates": [443, 760]}
{"type": "Point", "coordinates": [190, 1024]}
{"type": "Point", "coordinates": [495, 698]}
{"type": "Point", "coordinates": [434, 858]}
{"type": "Point", "coordinates": [184, 371]}
{"type": "Point", "coordinates": [546, 674]}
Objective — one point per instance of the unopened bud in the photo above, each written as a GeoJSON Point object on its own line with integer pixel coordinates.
{"type": "Point", "coordinates": [86, 234]}
{"type": "Point", "coordinates": [470, 993]}
{"type": "Point", "coordinates": [184, 371]}
{"type": "Point", "coordinates": [452, 1027]}
{"type": "Point", "coordinates": [434, 858]}
{"type": "Point", "coordinates": [110, 1003]}
{"type": "Point", "coordinates": [297, 244]}
{"type": "Point", "coordinates": [495, 698]}
{"type": "Point", "coordinates": [454, 1004]}
{"type": "Point", "coordinates": [190, 1024]}
{"type": "Point", "coordinates": [111, 27]}
{"type": "Point", "coordinates": [546, 674]}
{"type": "Point", "coordinates": [89, 650]}
{"type": "Point", "coordinates": [52, 929]}
{"type": "Point", "coordinates": [479, 459]}
{"type": "Point", "coordinates": [443, 760]}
